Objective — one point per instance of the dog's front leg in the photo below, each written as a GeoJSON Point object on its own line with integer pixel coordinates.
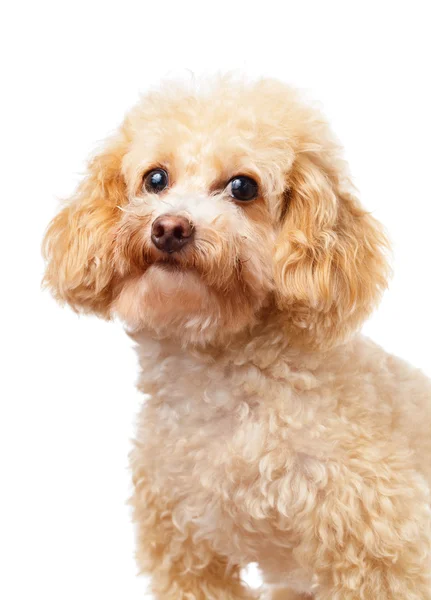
{"type": "Point", "coordinates": [180, 568]}
{"type": "Point", "coordinates": [369, 538]}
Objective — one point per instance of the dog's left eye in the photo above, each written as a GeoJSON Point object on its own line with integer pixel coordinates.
{"type": "Point", "coordinates": [156, 181]}
{"type": "Point", "coordinates": [243, 188]}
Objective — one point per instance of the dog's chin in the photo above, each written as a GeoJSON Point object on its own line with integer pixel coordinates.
{"type": "Point", "coordinates": [176, 303]}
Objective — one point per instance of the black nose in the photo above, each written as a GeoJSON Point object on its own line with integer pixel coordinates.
{"type": "Point", "coordinates": [171, 233]}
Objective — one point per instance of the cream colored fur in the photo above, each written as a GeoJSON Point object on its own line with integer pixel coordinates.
{"type": "Point", "coordinates": [271, 432]}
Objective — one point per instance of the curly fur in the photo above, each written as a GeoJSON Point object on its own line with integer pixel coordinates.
{"type": "Point", "coordinates": [272, 431]}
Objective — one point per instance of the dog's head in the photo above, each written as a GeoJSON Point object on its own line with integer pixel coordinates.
{"type": "Point", "coordinates": [211, 206]}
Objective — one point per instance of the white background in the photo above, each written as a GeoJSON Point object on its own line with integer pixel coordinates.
{"type": "Point", "coordinates": [69, 72]}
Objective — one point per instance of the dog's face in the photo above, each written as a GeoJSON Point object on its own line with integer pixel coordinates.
{"type": "Point", "coordinates": [208, 208]}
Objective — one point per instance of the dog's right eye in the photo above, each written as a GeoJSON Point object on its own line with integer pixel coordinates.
{"type": "Point", "coordinates": [156, 181]}
{"type": "Point", "coordinates": [243, 188]}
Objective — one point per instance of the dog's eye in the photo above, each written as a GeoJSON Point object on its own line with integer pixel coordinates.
{"type": "Point", "coordinates": [156, 181]}
{"type": "Point", "coordinates": [243, 188]}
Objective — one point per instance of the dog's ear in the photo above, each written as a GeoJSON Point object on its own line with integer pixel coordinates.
{"type": "Point", "coordinates": [78, 243]}
{"type": "Point", "coordinates": [330, 256]}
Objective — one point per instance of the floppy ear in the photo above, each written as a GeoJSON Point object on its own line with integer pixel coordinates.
{"type": "Point", "coordinates": [330, 264]}
{"type": "Point", "coordinates": [78, 243]}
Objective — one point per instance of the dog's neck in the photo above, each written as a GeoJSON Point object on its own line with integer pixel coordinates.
{"type": "Point", "coordinates": [263, 344]}
{"type": "Point", "coordinates": [194, 384]}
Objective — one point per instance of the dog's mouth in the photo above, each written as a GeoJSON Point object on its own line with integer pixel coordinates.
{"type": "Point", "coordinates": [180, 260]}
{"type": "Point", "coordinates": [170, 263]}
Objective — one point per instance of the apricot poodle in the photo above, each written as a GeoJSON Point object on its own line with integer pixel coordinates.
{"type": "Point", "coordinates": [219, 224]}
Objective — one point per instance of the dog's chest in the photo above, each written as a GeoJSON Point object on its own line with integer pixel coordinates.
{"type": "Point", "coordinates": [195, 416]}
{"type": "Point", "coordinates": [200, 436]}
{"type": "Point", "coordinates": [221, 440]}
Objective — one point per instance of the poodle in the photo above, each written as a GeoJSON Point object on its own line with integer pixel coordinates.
{"type": "Point", "coordinates": [220, 226]}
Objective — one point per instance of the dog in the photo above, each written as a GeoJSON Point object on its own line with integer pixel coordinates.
{"type": "Point", "coordinates": [220, 225]}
